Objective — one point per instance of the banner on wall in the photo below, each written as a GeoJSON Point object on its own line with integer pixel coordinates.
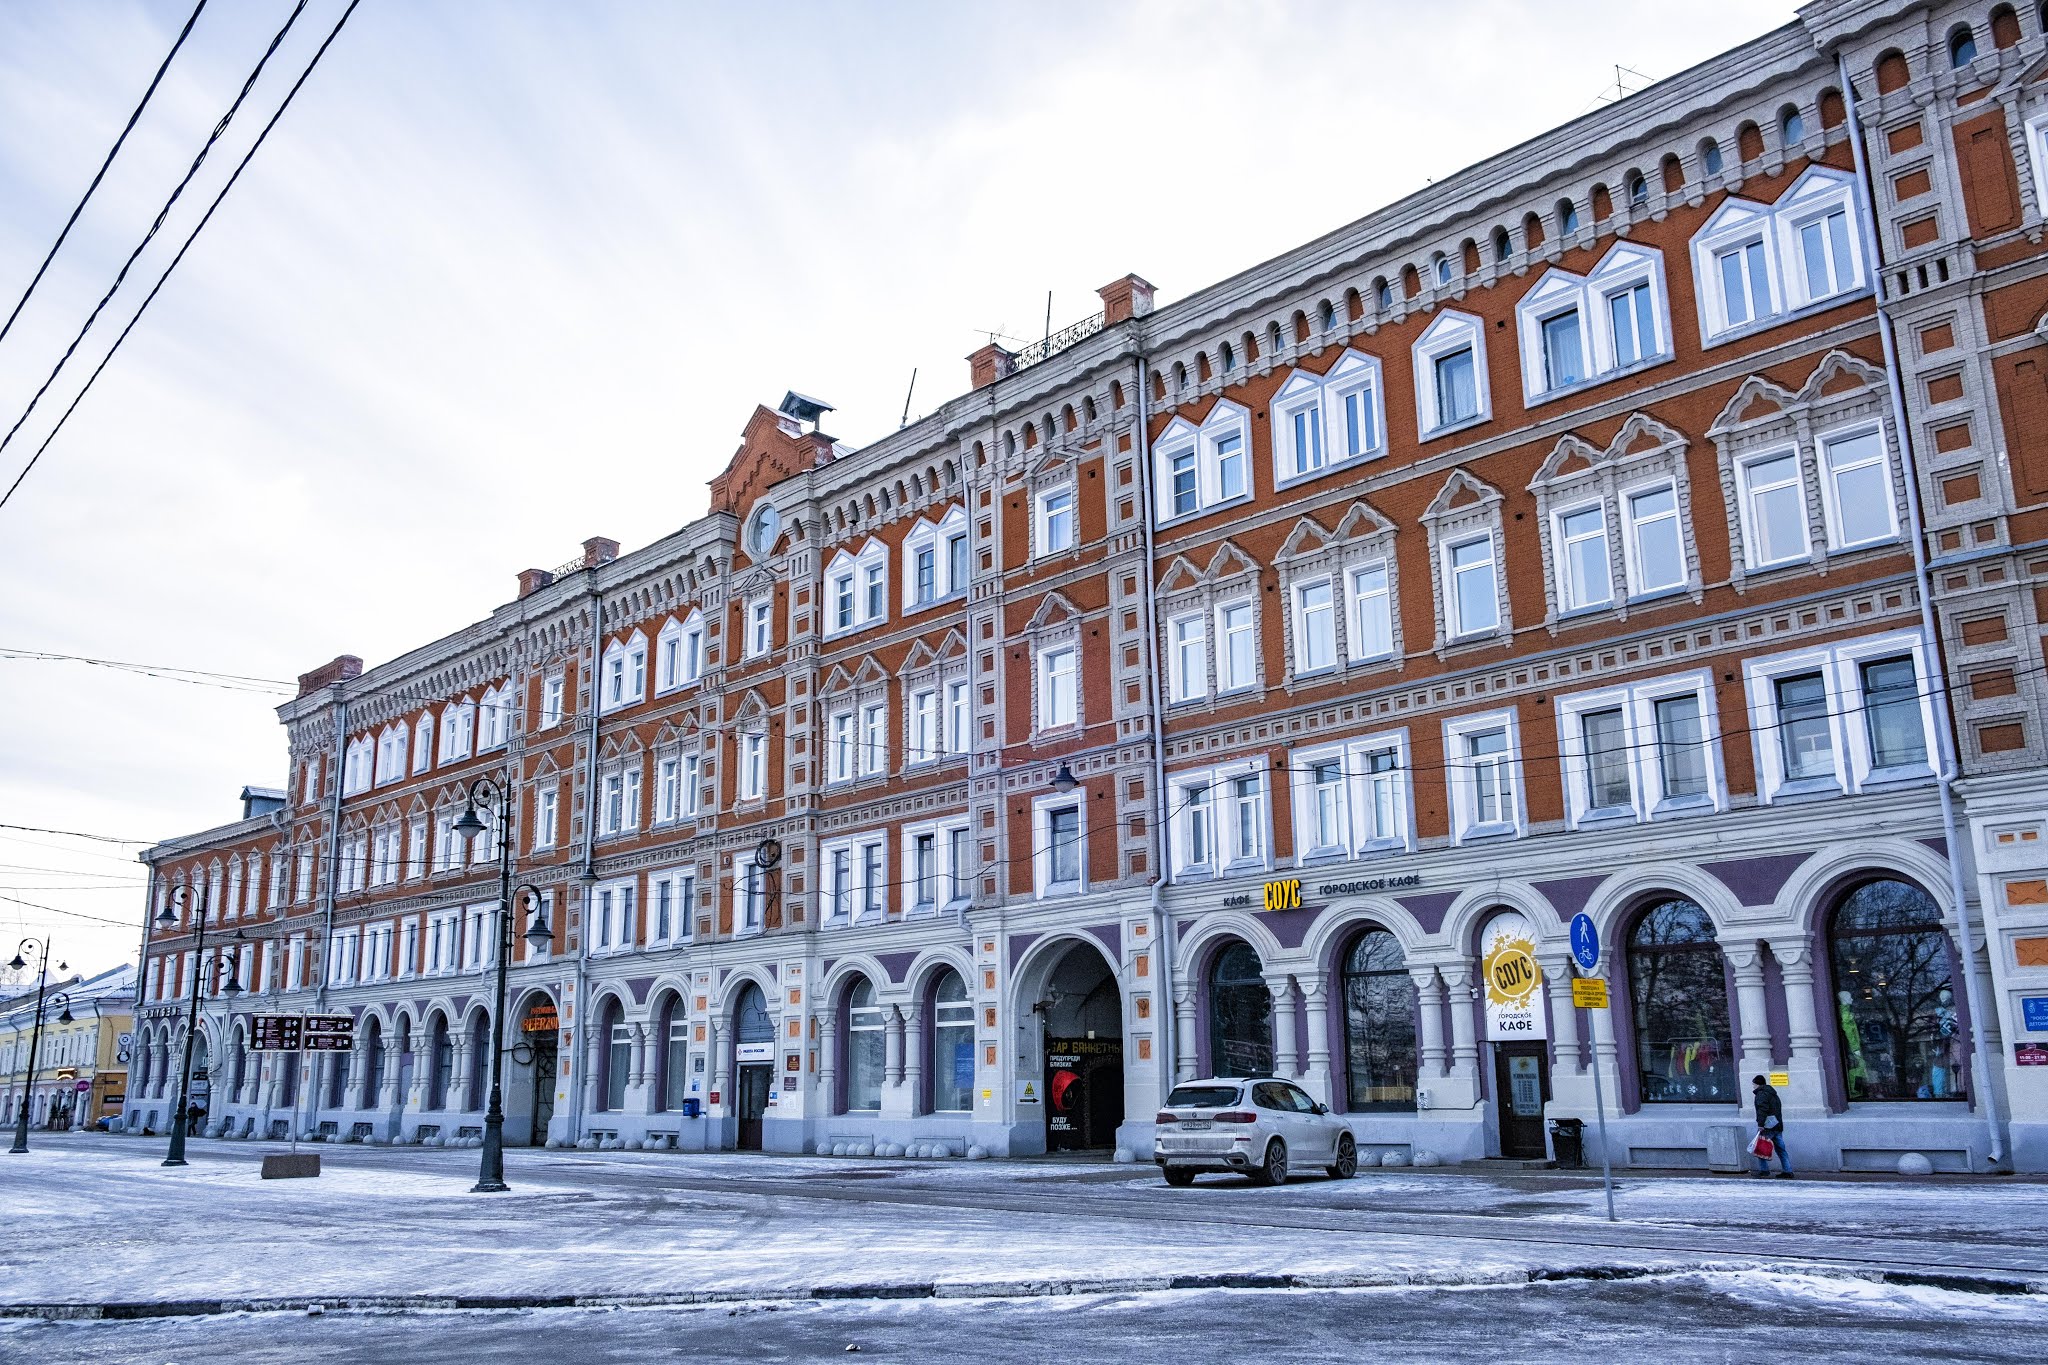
{"type": "Point", "coordinates": [1514, 983]}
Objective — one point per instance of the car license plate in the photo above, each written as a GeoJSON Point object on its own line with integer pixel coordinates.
{"type": "Point", "coordinates": [1197, 1126]}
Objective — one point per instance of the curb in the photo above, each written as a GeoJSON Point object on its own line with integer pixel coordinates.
{"type": "Point", "coordinates": [973, 1289]}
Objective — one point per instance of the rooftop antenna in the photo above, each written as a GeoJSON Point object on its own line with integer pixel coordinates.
{"type": "Point", "coordinates": [1048, 319]}
{"type": "Point", "coordinates": [906, 399]}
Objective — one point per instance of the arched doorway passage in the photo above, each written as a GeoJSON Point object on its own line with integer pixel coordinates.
{"type": "Point", "coordinates": [1080, 1017]}
{"type": "Point", "coordinates": [754, 1051]}
{"type": "Point", "coordinates": [535, 1063]}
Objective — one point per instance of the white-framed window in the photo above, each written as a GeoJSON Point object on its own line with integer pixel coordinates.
{"type": "Point", "coordinates": [342, 951]}
{"type": "Point", "coordinates": [1237, 646]}
{"type": "Point", "coordinates": [1578, 328]}
{"type": "Point", "coordinates": [357, 765]}
{"type": "Point", "coordinates": [759, 630]}
{"type": "Point", "coordinates": [955, 716]}
{"type": "Point", "coordinates": [1843, 717]}
{"type": "Point", "coordinates": [1188, 656]}
{"type": "Point", "coordinates": [391, 753]}
{"type": "Point", "coordinates": [612, 916]}
{"type": "Point", "coordinates": [1300, 451]}
{"type": "Point", "coordinates": [921, 722]}
{"type": "Point", "coordinates": [1451, 388]}
{"type": "Point", "coordinates": [1654, 545]}
{"type": "Point", "coordinates": [1485, 775]}
{"type": "Point", "coordinates": [494, 717]}
{"type": "Point", "coordinates": [1755, 263]}
{"type": "Point", "coordinates": [679, 653]}
{"type": "Point", "coordinates": [554, 692]}
{"type": "Point", "coordinates": [1059, 823]}
{"type": "Point", "coordinates": [1354, 416]}
{"type": "Point", "coordinates": [546, 815]}
{"type": "Point", "coordinates": [668, 788]}
{"type": "Point", "coordinates": [415, 856]}
{"type": "Point", "coordinates": [1640, 751]}
{"type": "Point", "coordinates": [1052, 520]}
{"type": "Point", "coordinates": [443, 940]}
{"type": "Point", "coordinates": [670, 898]}
{"type": "Point", "coordinates": [1773, 503]}
{"type": "Point", "coordinates": [690, 794]}
{"type": "Point", "coordinates": [855, 878]}
{"type": "Point", "coordinates": [409, 948]}
{"type": "Point", "coordinates": [458, 730]}
{"type": "Point", "coordinates": [753, 775]}
{"type": "Point", "coordinates": [1471, 587]}
{"type": "Point", "coordinates": [1196, 468]}
{"type": "Point", "coordinates": [874, 738]}
{"type": "Point", "coordinates": [1217, 820]}
{"type": "Point", "coordinates": [1315, 625]}
{"type": "Point", "coordinates": [1058, 698]}
{"type": "Point", "coordinates": [1371, 608]}
{"type": "Point", "coordinates": [842, 746]}
{"type": "Point", "coordinates": [618, 809]}
{"type": "Point", "coordinates": [935, 559]}
{"type": "Point", "coordinates": [935, 872]}
{"type": "Point", "coordinates": [1856, 486]}
{"type": "Point", "coordinates": [856, 591]}
{"type": "Point", "coordinates": [1585, 578]}
{"type": "Point", "coordinates": [622, 678]}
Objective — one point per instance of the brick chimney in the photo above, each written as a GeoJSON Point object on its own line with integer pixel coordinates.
{"type": "Point", "coordinates": [339, 669]}
{"type": "Point", "coordinates": [1124, 299]}
{"type": "Point", "coordinates": [989, 364]}
{"type": "Point", "coordinates": [599, 550]}
{"type": "Point", "coordinates": [532, 581]}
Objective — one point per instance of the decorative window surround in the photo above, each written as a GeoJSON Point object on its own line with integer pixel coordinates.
{"type": "Point", "coordinates": [1198, 468]}
{"type": "Point", "coordinates": [671, 900]}
{"type": "Point", "coordinates": [1357, 560]}
{"type": "Point", "coordinates": [612, 919]}
{"type": "Point", "coordinates": [1058, 703]}
{"type": "Point", "coordinates": [757, 626]}
{"type": "Point", "coordinates": [932, 877]}
{"type": "Point", "coordinates": [852, 600]}
{"type": "Point", "coordinates": [1845, 714]}
{"type": "Point", "coordinates": [751, 724]}
{"type": "Point", "coordinates": [935, 559]}
{"type": "Point", "coordinates": [1211, 812]}
{"type": "Point", "coordinates": [1657, 779]}
{"type": "Point", "coordinates": [1618, 330]}
{"type": "Point", "coordinates": [423, 743]}
{"type": "Point", "coordinates": [1466, 510]}
{"type": "Point", "coordinates": [1484, 776]}
{"type": "Point", "coordinates": [1623, 481]}
{"type": "Point", "coordinates": [1352, 798]}
{"type": "Point", "coordinates": [853, 880]}
{"type": "Point", "coordinates": [619, 777]}
{"type": "Point", "coordinates": [1330, 421]}
{"type": "Point", "coordinates": [1842, 399]}
{"type": "Point", "coordinates": [554, 690]}
{"type": "Point", "coordinates": [494, 718]}
{"type": "Point", "coordinates": [679, 653]}
{"type": "Point", "coordinates": [854, 707]}
{"type": "Point", "coordinates": [1231, 581]}
{"type": "Point", "coordinates": [1439, 408]}
{"type": "Point", "coordinates": [1756, 265]}
{"type": "Point", "coordinates": [391, 751]}
{"type": "Point", "coordinates": [622, 677]}
{"type": "Point", "coordinates": [941, 672]}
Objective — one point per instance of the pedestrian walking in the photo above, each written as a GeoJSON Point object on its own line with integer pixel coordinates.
{"type": "Point", "coordinates": [1770, 1131]}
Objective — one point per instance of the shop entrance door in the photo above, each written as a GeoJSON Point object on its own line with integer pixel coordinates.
{"type": "Point", "coordinates": [1084, 1093]}
{"type": "Point", "coordinates": [1521, 1084]}
{"type": "Point", "coordinates": [753, 1104]}
{"type": "Point", "coordinates": [543, 1085]}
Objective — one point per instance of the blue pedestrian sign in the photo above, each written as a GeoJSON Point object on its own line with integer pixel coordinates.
{"type": "Point", "coordinates": [1585, 942]}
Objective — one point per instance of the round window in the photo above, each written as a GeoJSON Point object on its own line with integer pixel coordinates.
{"type": "Point", "coordinates": [762, 530]}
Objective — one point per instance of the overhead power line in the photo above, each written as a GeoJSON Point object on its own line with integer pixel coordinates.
{"type": "Point", "coordinates": [80, 834]}
{"type": "Point", "coordinates": [101, 174]}
{"type": "Point", "coordinates": [177, 191]}
{"type": "Point", "coordinates": [198, 677]}
{"type": "Point", "coordinates": [150, 298]}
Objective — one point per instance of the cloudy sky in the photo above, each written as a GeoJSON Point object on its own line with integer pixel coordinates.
{"type": "Point", "coordinates": [508, 275]}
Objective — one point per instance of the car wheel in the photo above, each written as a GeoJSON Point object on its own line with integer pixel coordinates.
{"type": "Point", "coordinates": [1347, 1159]}
{"type": "Point", "coordinates": [1178, 1177]}
{"type": "Point", "coordinates": [1273, 1171]}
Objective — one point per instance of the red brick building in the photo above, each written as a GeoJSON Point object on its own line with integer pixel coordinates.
{"type": "Point", "coordinates": [1645, 522]}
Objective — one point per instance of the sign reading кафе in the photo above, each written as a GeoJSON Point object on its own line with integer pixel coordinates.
{"type": "Point", "coordinates": [1286, 893]}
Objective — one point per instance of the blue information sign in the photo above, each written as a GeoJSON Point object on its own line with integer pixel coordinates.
{"type": "Point", "coordinates": [2034, 1013]}
{"type": "Point", "coordinates": [1585, 942]}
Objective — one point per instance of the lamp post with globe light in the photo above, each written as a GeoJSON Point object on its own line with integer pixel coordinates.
{"type": "Point", "coordinates": [41, 952]}
{"type": "Point", "coordinates": [167, 918]}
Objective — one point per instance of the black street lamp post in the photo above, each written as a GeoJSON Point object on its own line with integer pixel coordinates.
{"type": "Point", "coordinates": [35, 1037]}
{"type": "Point", "coordinates": [166, 918]}
{"type": "Point", "coordinates": [497, 801]}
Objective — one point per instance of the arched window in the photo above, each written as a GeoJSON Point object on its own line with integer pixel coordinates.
{"type": "Point", "coordinates": [1638, 188]}
{"type": "Point", "coordinates": [479, 1060]}
{"type": "Point", "coordinates": [1567, 217]}
{"type": "Point", "coordinates": [1678, 1006]}
{"type": "Point", "coordinates": [1382, 294]}
{"type": "Point", "coordinates": [675, 1054]}
{"type": "Point", "coordinates": [1229, 356]}
{"type": "Point", "coordinates": [863, 1047]}
{"type": "Point", "coordinates": [952, 1044]}
{"type": "Point", "coordinates": [1503, 246]}
{"type": "Point", "coordinates": [1379, 1026]}
{"type": "Point", "coordinates": [618, 1056]}
{"type": "Point", "coordinates": [1441, 267]}
{"type": "Point", "coordinates": [439, 1064]}
{"type": "Point", "coordinates": [1791, 126]}
{"type": "Point", "coordinates": [2005, 27]}
{"type": "Point", "coordinates": [1240, 1015]}
{"type": "Point", "coordinates": [1710, 157]}
{"type": "Point", "coordinates": [337, 1078]}
{"type": "Point", "coordinates": [1895, 1007]}
{"type": "Point", "coordinates": [373, 1063]}
{"type": "Point", "coordinates": [1962, 46]}
{"type": "Point", "coordinates": [1326, 317]}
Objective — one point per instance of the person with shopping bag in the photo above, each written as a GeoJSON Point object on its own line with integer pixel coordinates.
{"type": "Point", "coordinates": [1770, 1132]}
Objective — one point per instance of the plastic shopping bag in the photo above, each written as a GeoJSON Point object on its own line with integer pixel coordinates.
{"type": "Point", "coordinates": [1761, 1146]}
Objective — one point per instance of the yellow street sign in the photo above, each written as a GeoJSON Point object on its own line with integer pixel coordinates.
{"type": "Point", "coordinates": [1781, 1079]}
{"type": "Point", "coordinates": [1589, 993]}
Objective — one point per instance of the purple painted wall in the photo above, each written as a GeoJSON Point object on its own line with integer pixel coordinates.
{"type": "Point", "coordinates": [895, 964]}
{"type": "Point", "coordinates": [1428, 910]}
{"type": "Point", "coordinates": [1568, 895]}
{"type": "Point", "coordinates": [1756, 881]}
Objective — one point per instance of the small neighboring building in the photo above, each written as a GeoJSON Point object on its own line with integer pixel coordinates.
{"type": "Point", "coordinates": [81, 1064]}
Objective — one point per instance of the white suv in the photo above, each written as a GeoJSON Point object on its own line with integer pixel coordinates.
{"type": "Point", "coordinates": [1256, 1126]}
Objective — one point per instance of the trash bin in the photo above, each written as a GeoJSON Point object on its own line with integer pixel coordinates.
{"type": "Point", "coordinates": [1568, 1142]}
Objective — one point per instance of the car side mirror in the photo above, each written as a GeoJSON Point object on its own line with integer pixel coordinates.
{"type": "Point", "coordinates": [1322, 1108]}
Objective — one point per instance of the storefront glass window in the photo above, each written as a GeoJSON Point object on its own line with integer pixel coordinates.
{"type": "Point", "coordinates": [863, 1048]}
{"type": "Point", "coordinates": [1678, 1000]}
{"type": "Point", "coordinates": [1379, 1026]}
{"type": "Point", "coordinates": [952, 1045]}
{"type": "Point", "coordinates": [1240, 1015]}
{"type": "Point", "coordinates": [1895, 1007]}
